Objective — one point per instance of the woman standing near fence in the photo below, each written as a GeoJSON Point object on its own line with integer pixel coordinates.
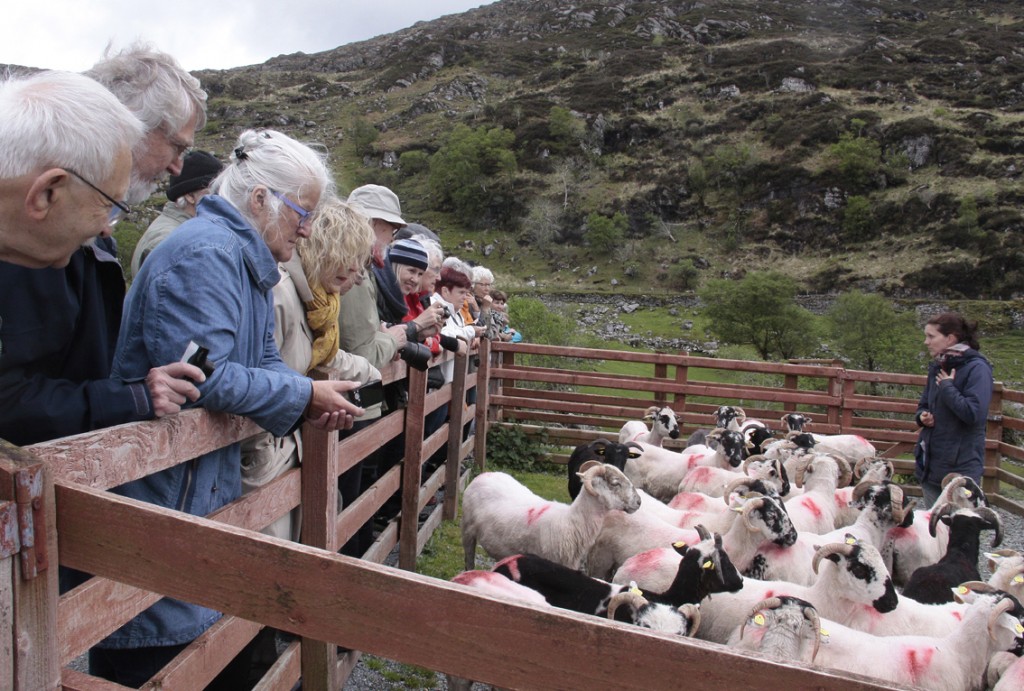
{"type": "Point", "coordinates": [953, 409]}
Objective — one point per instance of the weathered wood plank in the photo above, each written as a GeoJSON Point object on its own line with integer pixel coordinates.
{"type": "Point", "coordinates": [327, 596]}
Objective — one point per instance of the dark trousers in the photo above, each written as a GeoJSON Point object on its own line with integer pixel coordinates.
{"type": "Point", "coordinates": [133, 667]}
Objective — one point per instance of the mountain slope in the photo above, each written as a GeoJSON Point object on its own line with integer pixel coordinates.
{"type": "Point", "coordinates": [874, 144]}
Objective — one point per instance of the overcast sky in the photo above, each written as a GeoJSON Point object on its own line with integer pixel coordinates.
{"type": "Point", "coordinates": [72, 34]}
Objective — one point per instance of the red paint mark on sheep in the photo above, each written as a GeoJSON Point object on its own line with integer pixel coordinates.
{"type": "Point", "coordinates": [812, 506]}
{"type": "Point", "coordinates": [958, 615]}
{"type": "Point", "coordinates": [918, 660]}
{"type": "Point", "coordinates": [646, 562]}
{"type": "Point", "coordinates": [701, 474]}
{"type": "Point", "coordinates": [692, 459]}
{"type": "Point", "coordinates": [688, 501]}
{"type": "Point", "coordinates": [512, 564]}
{"type": "Point", "coordinates": [533, 513]}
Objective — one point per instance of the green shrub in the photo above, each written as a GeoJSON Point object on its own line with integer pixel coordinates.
{"type": "Point", "coordinates": [858, 219]}
{"type": "Point", "coordinates": [509, 448]}
{"type": "Point", "coordinates": [606, 234]}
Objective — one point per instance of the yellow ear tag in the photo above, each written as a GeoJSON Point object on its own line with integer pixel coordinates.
{"type": "Point", "coordinates": [679, 544]}
{"type": "Point", "coordinates": [634, 589]}
{"type": "Point", "coordinates": [962, 590]}
{"type": "Point", "coordinates": [850, 540]}
{"type": "Point", "coordinates": [759, 619]}
{"type": "Point", "coordinates": [599, 451]}
{"type": "Point", "coordinates": [1018, 579]}
{"type": "Point", "coordinates": [707, 565]}
{"type": "Point", "coordinates": [1019, 629]}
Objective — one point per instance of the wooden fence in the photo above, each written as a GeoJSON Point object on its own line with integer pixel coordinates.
{"type": "Point", "coordinates": [55, 509]}
{"type": "Point", "coordinates": [565, 402]}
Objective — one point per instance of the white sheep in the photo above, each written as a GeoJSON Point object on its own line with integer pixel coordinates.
{"type": "Point", "coordinates": [663, 424]}
{"type": "Point", "coordinates": [870, 470]}
{"type": "Point", "coordinates": [848, 577]}
{"type": "Point", "coordinates": [819, 475]}
{"type": "Point", "coordinates": [1005, 672]}
{"type": "Point", "coordinates": [506, 518]}
{"type": "Point", "coordinates": [762, 520]}
{"type": "Point", "coordinates": [852, 447]}
{"type": "Point", "coordinates": [883, 507]}
{"type": "Point", "coordinates": [713, 481]}
{"type": "Point", "coordinates": [498, 586]}
{"type": "Point", "coordinates": [956, 661]}
{"type": "Point", "coordinates": [1007, 567]}
{"type": "Point", "coordinates": [660, 471]}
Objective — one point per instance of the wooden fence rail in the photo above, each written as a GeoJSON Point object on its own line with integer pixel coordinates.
{"type": "Point", "coordinates": [64, 514]}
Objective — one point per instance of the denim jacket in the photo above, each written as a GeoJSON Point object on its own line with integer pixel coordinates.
{"type": "Point", "coordinates": [210, 282]}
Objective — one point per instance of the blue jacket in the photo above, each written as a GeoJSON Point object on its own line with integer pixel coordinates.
{"type": "Point", "coordinates": [210, 282]}
{"type": "Point", "coordinates": [956, 443]}
{"type": "Point", "coordinates": [58, 328]}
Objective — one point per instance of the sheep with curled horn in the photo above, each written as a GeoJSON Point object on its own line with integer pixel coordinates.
{"type": "Point", "coordinates": [1007, 567]}
{"type": "Point", "coordinates": [819, 475]}
{"type": "Point", "coordinates": [712, 481]}
{"type": "Point", "coordinates": [933, 583]}
{"type": "Point", "coordinates": [781, 627]}
{"type": "Point", "coordinates": [906, 550]}
{"type": "Point", "coordinates": [639, 612]}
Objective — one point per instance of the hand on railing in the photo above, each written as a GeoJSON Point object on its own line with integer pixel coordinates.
{"type": "Point", "coordinates": [171, 385]}
{"type": "Point", "coordinates": [329, 408]}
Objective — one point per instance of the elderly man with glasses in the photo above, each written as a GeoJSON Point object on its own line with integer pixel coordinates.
{"type": "Point", "coordinates": [59, 326]}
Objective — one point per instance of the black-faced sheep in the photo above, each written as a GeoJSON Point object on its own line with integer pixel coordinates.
{"type": "Point", "coordinates": [602, 451]}
{"type": "Point", "coordinates": [506, 518]}
{"type": "Point", "coordinates": [934, 583]}
{"type": "Point", "coordinates": [663, 425]}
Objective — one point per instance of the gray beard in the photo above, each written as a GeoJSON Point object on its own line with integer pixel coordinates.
{"type": "Point", "coordinates": [140, 190]}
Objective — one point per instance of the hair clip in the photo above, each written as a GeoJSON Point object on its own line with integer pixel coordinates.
{"type": "Point", "coordinates": [240, 154]}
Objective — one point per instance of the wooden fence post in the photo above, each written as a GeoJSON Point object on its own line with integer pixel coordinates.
{"type": "Point", "coordinates": [412, 465]}
{"type": "Point", "coordinates": [30, 658]}
{"type": "Point", "coordinates": [457, 411]}
{"type": "Point", "coordinates": [660, 372]}
{"type": "Point", "coordinates": [993, 430]}
{"type": "Point", "coordinates": [483, 398]}
{"type": "Point", "coordinates": [319, 529]}
{"type": "Point", "coordinates": [679, 399]}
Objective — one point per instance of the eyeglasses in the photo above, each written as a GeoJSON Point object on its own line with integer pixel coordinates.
{"type": "Point", "coordinates": [304, 216]}
{"type": "Point", "coordinates": [181, 149]}
{"type": "Point", "coordinates": [118, 211]}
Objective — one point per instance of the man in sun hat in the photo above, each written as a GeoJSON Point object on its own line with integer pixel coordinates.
{"type": "Point", "coordinates": [184, 191]}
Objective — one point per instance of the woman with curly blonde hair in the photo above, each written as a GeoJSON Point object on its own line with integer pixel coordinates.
{"type": "Point", "coordinates": [325, 266]}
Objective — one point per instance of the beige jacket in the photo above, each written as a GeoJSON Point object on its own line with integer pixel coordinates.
{"type": "Point", "coordinates": [264, 457]}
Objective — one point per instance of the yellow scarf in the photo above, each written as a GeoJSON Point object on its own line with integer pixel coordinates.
{"type": "Point", "coordinates": [322, 317]}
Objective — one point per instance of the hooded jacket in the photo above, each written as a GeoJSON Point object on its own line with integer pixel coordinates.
{"type": "Point", "coordinates": [956, 443]}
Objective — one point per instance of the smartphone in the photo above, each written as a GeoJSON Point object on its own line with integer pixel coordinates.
{"type": "Point", "coordinates": [370, 393]}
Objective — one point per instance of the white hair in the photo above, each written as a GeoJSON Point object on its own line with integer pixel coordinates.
{"type": "Point", "coordinates": [273, 160]}
{"type": "Point", "coordinates": [482, 275]}
{"type": "Point", "coordinates": [64, 120]}
{"type": "Point", "coordinates": [435, 255]}
{"type": "Point", "coordinates": [152, 85]}
{"type": "Point", "coordinates": [459, 265]}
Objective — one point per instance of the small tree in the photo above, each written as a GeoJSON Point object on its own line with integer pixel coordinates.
{"type": "Point", "coordinates": [760, 310]}
{"type": "Point", "coordinates": [858, 158]}
{"type": "Point", "coordinates": [606, 234]}
{"type": "Point", "coordinates": [871, 335]}
{"type": "Point", "coordinates": [364, 136]}
{"type": "Point", "coordinates": [473, 171]}
{"type": "Point", "coordinates": [858, 219]}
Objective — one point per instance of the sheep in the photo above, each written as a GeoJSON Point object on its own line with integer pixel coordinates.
{"type": "Point", "coordinates": [883, 507]}
{"type": "Point", "coordinates": [955, 661]}
{"type": "Point", "coordinates": [755, 434]}
{"type": "Point", "coordinates": [701, 570]}
{"type": "Point", "coordinates": [761, 520]}
{"type": "Point", "coordinates": [507, 518]}
{"type": "Point", "coordinates": [1007, 568]}
{"type": "Point", "coordinates": [602, 451]}
{"type": "Point", "coordinates": [908, 548]}
{"type": "Point", "coordinates": [726, 417]}
{"type": "Point", "coordinates": [659, 471]}
{"type": "Point", "coordinates": [1005, 672]}
{"type": "Point", "coordinates": [852, 447]}
{"type": "Point", "coordinates": [498, 586]}
{"type": "Point", "coordinates": [933, 583]}
{"type": "Point", "coordinates": [820, 475]}
{"type": "Point", "coordinates": [782, 627]}
{"type": "Point", "coordinates": [848, 577]}
{"type": "Point", "coordinates": [713, 512]}
{"type": "Point", "coordinates": [713, 481]}
{"type": "Point", "coordinates": [868, 470]}
{"type": "Point", "coordinates": [663, 424]}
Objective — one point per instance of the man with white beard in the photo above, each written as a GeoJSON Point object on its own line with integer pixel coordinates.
{"type": "Point", "coordinates": [58, 327]}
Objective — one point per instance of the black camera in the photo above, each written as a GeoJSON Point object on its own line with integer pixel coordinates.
{"type": "Point", "coordinates": [415, 355]}
{"type": "Point", "coordinates": [197, 355]}
{"type": "Point", "coordinates": [447, 312]}
{"type": "Point", "coordinates": [370, 393]}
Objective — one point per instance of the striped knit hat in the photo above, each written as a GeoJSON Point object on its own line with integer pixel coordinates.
{"type": "Point", "coordinates": [408, 252]}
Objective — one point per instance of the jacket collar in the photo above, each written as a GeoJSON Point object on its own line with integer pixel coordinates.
{"type": "Point", "coordinates": [260, 264]}
{"type": "Point", "coordinates": [293, 267]}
